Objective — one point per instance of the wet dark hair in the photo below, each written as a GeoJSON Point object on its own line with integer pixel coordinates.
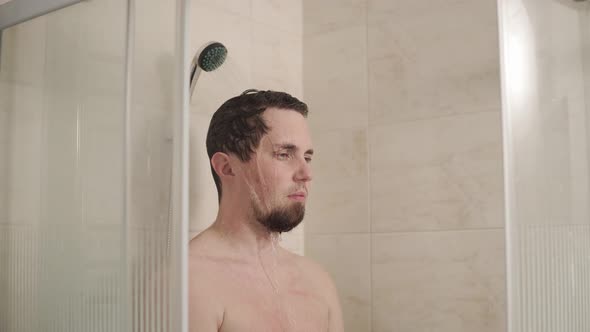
{"type": "Point", "coordinates": [237, 126]}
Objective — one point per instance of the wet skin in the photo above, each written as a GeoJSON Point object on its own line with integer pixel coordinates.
{"type": "Point", "coordinates": [240, 279]}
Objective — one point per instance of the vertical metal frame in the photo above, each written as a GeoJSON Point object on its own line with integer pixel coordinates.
{"type": "Point", "coordinates": [181, 158]}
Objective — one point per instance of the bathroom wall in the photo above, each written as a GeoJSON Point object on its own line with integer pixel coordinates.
{"type": "Point", "coordinates": [406, 212]}
{"type": "Point", "coordinates": [264, 43]}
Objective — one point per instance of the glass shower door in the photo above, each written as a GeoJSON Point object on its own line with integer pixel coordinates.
{"type": "Point", "coordinates": [545, 72]}
{"type": "Point", "coordinates": [62, 223]}
{"type": "Point", "coordinates": [89, 115]}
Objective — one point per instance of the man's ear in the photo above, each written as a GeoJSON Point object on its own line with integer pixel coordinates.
{"type": "Point", "coordinates": [222, 165]}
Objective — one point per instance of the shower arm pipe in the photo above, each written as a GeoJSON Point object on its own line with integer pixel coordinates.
{"type": "Point", "coordinates": [194, 76]}
{"type": "Point", "coordinates": [194, 71]}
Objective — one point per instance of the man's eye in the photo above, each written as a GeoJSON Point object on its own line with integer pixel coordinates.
{"type": "Point", "coordinates": [283, 155]}
{"type": "Point", "coordinates": [308, 159]}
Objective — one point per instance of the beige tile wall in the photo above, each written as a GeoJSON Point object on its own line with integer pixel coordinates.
{"type": "Point", "coordinates": [335, 81]}
{"type": "Point", "coordinates": [408, 192]}
{"type": "Point", "coordinates": [436, 174]}
{"type": "Point", "coordinates": [430, 59]}
{"type": "Point", "coordinates": [350, 274]}
{"type": "Point", "coordinates": [438, 281]}
{"type": "Point", "coordinates": [264, 42]}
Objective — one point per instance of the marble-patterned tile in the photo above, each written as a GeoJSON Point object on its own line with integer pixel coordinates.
{"type": "Point", "coordinates": [335, 78]}
{"type": "Point", "coordinates": [435, 174]}
{"type": "Point", "coordinates": [209, 24]}
{"type": "Point", "coordinates": [439, 281]}
{"type": "Point", "coordinates": [285, 16]}
{"type": "Point", "coordinates": [215, 88]}
{"type": "Point", "coordinates": [324, 16]}
{"type": "Point", "coordinates": [432, 59]}
{"type": "Point", "coordinates": [347, 259]}
{"type": "Point", "coordinates": [234, 76]}
{"type": "Point", "coordinates": [277, 60]}
{"type": "Point", "coordinates": [339, 194]}
{"type": "Point", "coordinates": [293, 240]}
{"type": "Point", "coordinates": [238, 7]}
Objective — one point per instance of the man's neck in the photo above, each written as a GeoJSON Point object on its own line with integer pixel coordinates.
{"type": "Point", "coordinates": [243, 232]}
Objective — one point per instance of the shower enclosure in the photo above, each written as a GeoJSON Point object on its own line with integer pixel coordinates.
{"type": "Point", "coordinates": [545, 50]}
{"type": "Point", "coordinates": [93, 148]}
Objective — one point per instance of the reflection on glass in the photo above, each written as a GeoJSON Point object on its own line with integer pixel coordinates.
{"type": "Point", "coordinates": [545, 65]}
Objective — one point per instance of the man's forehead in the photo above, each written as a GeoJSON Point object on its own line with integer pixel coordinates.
{"type": "Point", "coordinates": [291, 147]}
{"type": "Point", "coordinates": [279, 140]}
{"type": "Point", "coordinates": [286, 127]}
{"type": "Point", "coordinates": [274, 114]}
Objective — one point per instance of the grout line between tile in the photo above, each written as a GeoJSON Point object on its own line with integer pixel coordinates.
{"type": "Point", "coordinates": [497, 110]}
{"type": "Point", "coordinates": [406, 231]}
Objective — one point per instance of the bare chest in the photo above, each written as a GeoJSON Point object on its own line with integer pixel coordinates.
{"type": "Point", "coordinates": [273, 302]}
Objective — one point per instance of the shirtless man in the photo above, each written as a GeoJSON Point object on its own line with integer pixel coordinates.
{"type": "Point", "coordinates": [240, 279]}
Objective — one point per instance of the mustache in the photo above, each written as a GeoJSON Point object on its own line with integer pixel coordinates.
{"type": "Point", "coordinates": [297, 189]}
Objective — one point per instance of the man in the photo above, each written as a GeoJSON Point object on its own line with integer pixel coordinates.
{"type": "Point", "coordinates": [240, 279]}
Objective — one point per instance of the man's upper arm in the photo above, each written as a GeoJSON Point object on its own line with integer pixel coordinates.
{"type": "Point", "coordinates": [203, 312]}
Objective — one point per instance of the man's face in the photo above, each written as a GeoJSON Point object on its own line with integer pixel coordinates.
{"type": "Point", "coordinates": [279, 173]}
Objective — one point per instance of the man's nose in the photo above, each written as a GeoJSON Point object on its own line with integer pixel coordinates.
{"type": "Point", "coordinates": [303, 173]}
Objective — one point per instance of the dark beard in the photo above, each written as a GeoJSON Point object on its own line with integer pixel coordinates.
{"type": "Point", "coordinates": [281, 219]}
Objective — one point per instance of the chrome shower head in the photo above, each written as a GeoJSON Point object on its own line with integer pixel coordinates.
{"type": "Point", "coordinates": [210, 57]}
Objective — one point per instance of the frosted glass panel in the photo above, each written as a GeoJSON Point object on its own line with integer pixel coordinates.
{"type": "Point", "coordinates": [154, 240]}
{"type": "Point", "coordinates": [88, 237]}
{"type": "Point", "coordinates": [62, 241]}
{"type": "Point", "coordinates": [546, 61]}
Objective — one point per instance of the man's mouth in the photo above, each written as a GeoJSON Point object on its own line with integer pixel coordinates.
{"type": "Point", "coordinates": [298, 196]}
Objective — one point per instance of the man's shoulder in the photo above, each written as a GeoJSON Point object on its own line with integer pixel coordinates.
{"type": "Point", "coordinates": [199, 243]}
{"type": "Point", "coordinates": [204, 248]}
{"type": "Point", "coordinates": [201, 258]}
